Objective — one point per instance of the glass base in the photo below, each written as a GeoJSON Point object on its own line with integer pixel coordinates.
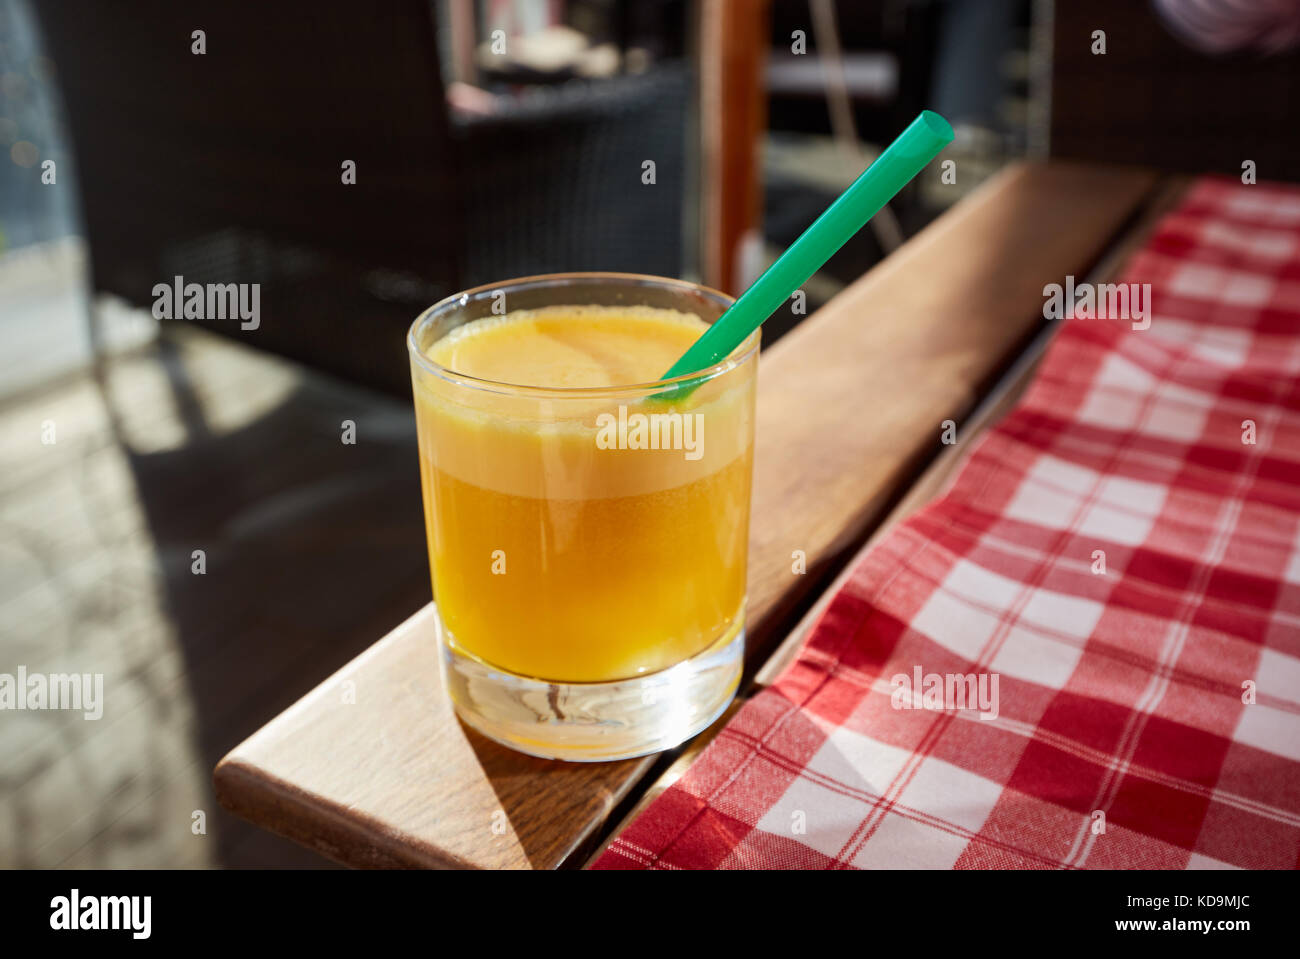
{"type": "Point", "coordinates": [594, 722]}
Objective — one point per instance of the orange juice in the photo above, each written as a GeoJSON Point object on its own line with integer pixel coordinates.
{"type": "Point", "coordinates": [583, 530]}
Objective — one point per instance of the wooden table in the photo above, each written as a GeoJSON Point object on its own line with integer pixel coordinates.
{"type": "Point", "coordinates": [372, 768]}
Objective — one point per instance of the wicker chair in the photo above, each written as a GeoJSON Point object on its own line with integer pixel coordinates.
{"type": "Point", "coordinates": [226, 167]}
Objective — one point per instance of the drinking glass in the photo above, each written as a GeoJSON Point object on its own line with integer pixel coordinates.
{"type": "Point", "coordinates": [587, 545]}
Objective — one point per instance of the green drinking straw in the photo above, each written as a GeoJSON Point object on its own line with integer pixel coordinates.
{"type": "Point", "coordinates": [879, 183]}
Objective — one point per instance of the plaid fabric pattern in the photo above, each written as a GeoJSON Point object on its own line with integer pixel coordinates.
{"type": "Point", "coordinates": [1126, 561]}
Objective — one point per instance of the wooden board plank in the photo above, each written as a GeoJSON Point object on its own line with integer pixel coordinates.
{"type": "Point", "coordinates": [850, 404]}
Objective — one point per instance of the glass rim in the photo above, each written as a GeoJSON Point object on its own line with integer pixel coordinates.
{"type": "Point", "coordinates": [740, 355]}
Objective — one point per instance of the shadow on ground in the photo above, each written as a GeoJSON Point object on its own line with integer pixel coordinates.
{"type": "Point", "coordinates": [313, 549]}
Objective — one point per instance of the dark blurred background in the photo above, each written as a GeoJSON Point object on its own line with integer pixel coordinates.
{"type": "Point", "coordinates": [490, 139]}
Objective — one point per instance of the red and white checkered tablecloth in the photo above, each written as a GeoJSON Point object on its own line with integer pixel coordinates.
{"type": "Point", "coordinates": [1125, 561]}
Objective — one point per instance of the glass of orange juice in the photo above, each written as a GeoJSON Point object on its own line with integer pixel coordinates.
{"type": "Point", "coordinates": [587, 521]}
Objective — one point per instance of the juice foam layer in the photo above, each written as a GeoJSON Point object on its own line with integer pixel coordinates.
{"type": "Point", "coordinates": [570, 347]}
